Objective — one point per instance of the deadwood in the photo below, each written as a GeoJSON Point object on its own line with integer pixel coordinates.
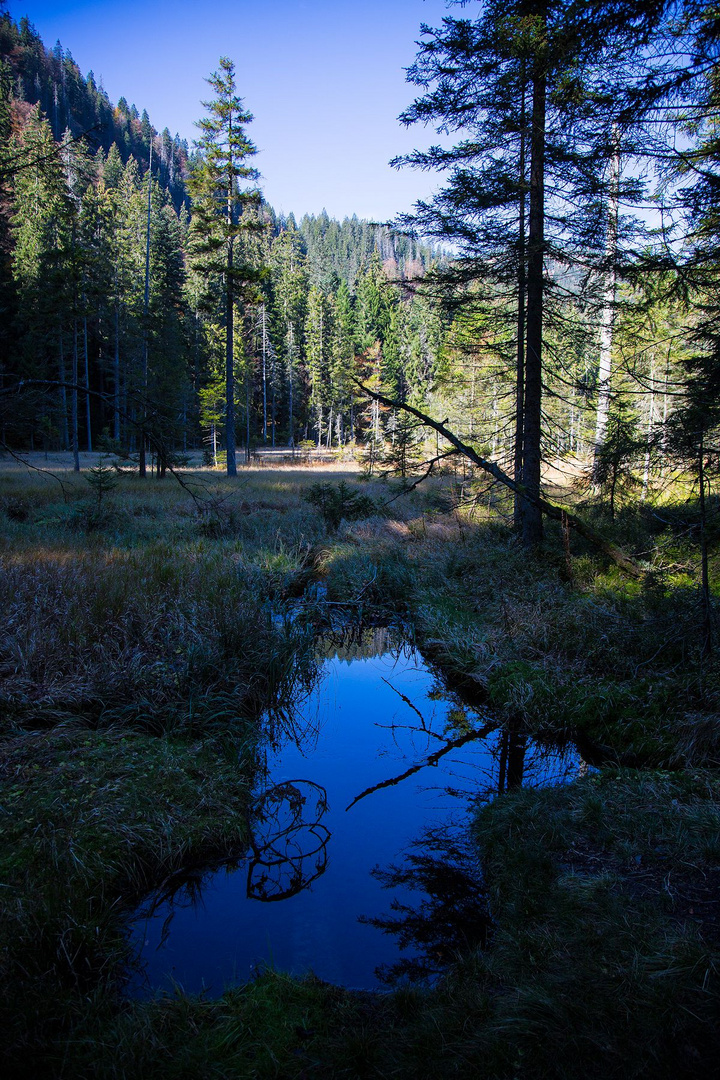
{"type": "Point", "coordinates": [555, 513]}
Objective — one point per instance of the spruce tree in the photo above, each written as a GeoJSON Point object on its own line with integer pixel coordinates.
{"type": "Point", "coordinates": [532, 88]}
{"type": "Point", "coordinates": [218, 217]}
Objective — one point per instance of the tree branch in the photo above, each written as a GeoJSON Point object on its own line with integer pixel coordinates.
{"type": "Point", "coordinates": [556, 513]}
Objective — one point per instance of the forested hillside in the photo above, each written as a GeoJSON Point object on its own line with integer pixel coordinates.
{"type": "Point", "coordinates": [103, 292]}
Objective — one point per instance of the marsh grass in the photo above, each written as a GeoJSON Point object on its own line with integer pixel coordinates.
{"type": "Point", "coordinates": [91, 821]}
{"type": "Point", "coordinates": [598, 889]}
{"type": "Point", "coordinates": [135, 657]}
{"type": "Point", "coordinates": [148, 614]}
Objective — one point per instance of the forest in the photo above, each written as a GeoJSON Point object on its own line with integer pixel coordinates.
{"type": "Point", "coordinates": [247, 456]}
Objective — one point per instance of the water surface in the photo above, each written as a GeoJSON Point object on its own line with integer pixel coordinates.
{"type": "Point", "coordinates": [378, 755]}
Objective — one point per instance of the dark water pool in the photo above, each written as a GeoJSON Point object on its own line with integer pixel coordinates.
{"type": "Point", "coordinates": [377, 755]}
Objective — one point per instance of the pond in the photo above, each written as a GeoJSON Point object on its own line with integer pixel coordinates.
{"type": "Point", "coordinates": [364, 803]}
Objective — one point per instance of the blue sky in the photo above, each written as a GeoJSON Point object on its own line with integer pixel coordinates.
{"type": "Point", "coordinates": [324, 79]}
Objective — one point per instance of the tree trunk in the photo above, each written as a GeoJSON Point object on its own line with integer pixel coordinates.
{"type": "Point", "coordinates": [74, 400]}
{"type": "Point", "coordinates": [146, 315]}
{"type": "Point", "coordinates": [63, 394]}
{"type": "Point", "coordinates": [231, 466]}
{"type": "Point", "coordinates": [264, 372]}
{"type": "Point", "coordinates": [87, 386]}
{"type": "Point", "coordinates": [705, 580]}
{"type": "Point", "coordinates": [116, 377]}
{"type": "Point", "coordinates": [247, 415]}
{"type": "Point", "coordinates": [531, 514]}
{"type": "Point", "coordinates": [291, 344]}
{"type": "Point", "coordinates": [521, 284]}
{"type": "Point", "coordinates": [648, 434]}
{"type": "Point", "coordinates": [607, 312]}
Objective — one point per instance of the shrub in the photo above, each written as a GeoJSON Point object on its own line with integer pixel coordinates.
{"type": "Point", "coordinates": [338, 502]}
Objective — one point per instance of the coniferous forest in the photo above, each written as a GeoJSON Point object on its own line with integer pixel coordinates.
{"type": "Point", "coordinates": [467, 459]}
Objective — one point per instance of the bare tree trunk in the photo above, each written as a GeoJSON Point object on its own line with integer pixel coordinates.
{"type": "Point", "coordinates": [116, 377]}
{"type": "Point", "coordinates": [607, 313]}
{"type": "Point", "coordinates": [264, 372]}
{"type": "Point", "coordinates": [521, 285]}
{"type": "Point", "coordinates": [496, 421]}
{"type": "Point", "coordinates": [87, 386]}
{"type": "Point", "coordinates": [63, 393]}
{"type": "Point", "coordinates": [531, 513]}
{"type": "Point", "coordinates": [74, 400]}
{"type": "Point", "coordinates": [705, 580]}
{"type": "Point", "coordinates": [291, 350]}
{"type": "Point", "coordinates": [146, 314]}
{"type": "Point", "coordinates": [648, 434]}
{"type": "Point", "coordinates": [247, 415]}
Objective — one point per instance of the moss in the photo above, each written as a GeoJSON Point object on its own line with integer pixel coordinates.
{"type": "Point", "coordinates": [90, 821]}
{"type": "Point", "coordinates": [603, 964]}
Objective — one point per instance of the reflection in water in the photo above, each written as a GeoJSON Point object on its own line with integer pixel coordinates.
{"type": "Point", "coordinates": [287, 840]}
{"type": "Point", "coordinates": [356, 641]}
{"type": "Point", "coordinates": [393, 755]}
{"type": "Point", "coordinates": [512, 760]}
{"type": "Point", "coordinates": [431, 759]}
{"type": "Point", "coordinates": [287, 851]}
{"type": "Point", "coordinates": [451, 917]}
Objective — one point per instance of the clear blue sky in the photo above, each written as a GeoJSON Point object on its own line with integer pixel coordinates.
{"type": "Point", "coordinates": [324, 79]}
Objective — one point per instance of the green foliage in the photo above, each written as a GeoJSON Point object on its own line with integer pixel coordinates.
{"type": "Point", "coordinates": [103, 481]}
{"type": "Point", "coordinates": [339, 502]}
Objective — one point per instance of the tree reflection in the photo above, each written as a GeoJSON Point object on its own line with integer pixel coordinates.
{"type": "Point", "coordinates": [450, 920]}
{"type": "Point", "coordinates": [287, 851]}
{"type": "Point", "coordinates": [512, 751]}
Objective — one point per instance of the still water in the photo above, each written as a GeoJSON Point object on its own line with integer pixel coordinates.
{"type": "Point", "coordinates": [378, 763]}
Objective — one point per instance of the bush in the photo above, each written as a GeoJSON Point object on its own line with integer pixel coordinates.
{"type": "Point", "coordinates": [339, 502]}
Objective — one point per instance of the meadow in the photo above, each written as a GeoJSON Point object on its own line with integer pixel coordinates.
{"type": "Point", "coordinates": [146, 626]}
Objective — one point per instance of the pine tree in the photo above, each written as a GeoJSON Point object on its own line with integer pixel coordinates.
{"type": "Point", "coordinates": [42, 222]}
{"type": "Point", "coordinates": [218, 214]}
{"type": "Point", "coordinates": [530, 88]}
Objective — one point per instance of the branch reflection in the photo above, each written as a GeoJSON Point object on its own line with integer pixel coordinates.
{"type": "Point", "coordinates": [287, 839]}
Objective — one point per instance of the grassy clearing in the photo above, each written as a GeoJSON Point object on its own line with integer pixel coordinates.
{"type": "Point", "coordinates": [136, 648]}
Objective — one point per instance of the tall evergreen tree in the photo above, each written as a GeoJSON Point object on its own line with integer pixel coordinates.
{"type": "Point", "coordinates": [529, 87]}
{"type": "Point", "coordinates": [218, 219]}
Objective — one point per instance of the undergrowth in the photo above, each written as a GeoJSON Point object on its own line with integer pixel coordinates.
{"type": "Point", "coordinates": [142, 633]}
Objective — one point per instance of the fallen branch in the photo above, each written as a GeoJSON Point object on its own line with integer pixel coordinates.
{"type": "Point", "coordinates": [34, 468]}
{"type": "Point", "coordinates": [430, 466]}
{"type": "Point", "coordinates": [556, 513]}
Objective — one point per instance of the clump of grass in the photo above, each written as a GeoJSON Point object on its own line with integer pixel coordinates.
{"type": "Point", "coordinates": [376, 575]}
{"type": "Point", "coordinates": [598, 949]}
{"type": "Point", "coordinates": [15, 509]}
{"type": "Point", "coordinates": [91, 821]}
{"type": "Point", "coordinates": [93, 634]}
